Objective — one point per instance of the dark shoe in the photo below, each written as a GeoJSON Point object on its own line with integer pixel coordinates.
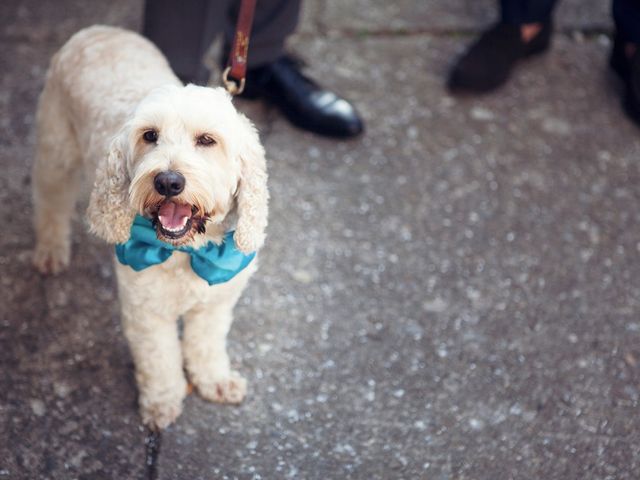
{"type": "Point", "coordinates": [301, 100]}
{"type": "Point", "coordinates": [488, 62]}
{"type": "Point", "coordinates": [628, 69]}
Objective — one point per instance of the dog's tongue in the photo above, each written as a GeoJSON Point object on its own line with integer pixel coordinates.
{"type": "Point", "coordinates": [173, 215]}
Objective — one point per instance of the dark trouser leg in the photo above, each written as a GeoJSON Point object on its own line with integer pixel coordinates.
{"type": "Point", "coordinates": [184, 30]}
{"type": "Point", "coordinates": [273, 22]}
{"type": "Point", "coordinates": [626, 15]}
{"type": "Point", "coordinates": [517, 12]}
{"type": "Point", "coordinates": [625, 61]}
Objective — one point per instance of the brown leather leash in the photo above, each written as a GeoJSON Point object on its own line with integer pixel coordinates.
{"type": "Point", "coordinates": [234, 75]}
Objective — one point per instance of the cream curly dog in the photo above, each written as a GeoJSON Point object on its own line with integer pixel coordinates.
{"type": "Point", "coordinates": [182, 162]}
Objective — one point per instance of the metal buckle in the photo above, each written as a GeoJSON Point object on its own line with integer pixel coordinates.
{"type": "Point", "coordinates": [233, 86]}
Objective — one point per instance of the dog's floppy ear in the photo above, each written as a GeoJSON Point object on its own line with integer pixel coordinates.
{"type": "Point", "coordinates": [109, 214]}
{"type": "Point", "coordinates": [252, 195]}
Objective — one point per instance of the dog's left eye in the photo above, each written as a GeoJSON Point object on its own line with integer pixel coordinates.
{"type": "Point", "coordinates": [150, 136]}
{"type": "Point", "coordinates": [205, 140]}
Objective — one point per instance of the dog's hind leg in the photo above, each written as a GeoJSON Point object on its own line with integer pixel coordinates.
{"type": "Point", "coordinates": [55, 177]}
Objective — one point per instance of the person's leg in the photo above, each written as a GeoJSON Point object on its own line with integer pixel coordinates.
{"type": "Point", "coordinates": [520, 12]}
{"type": "Point", "coordinates": [626, 15]}
{"type": "Point", "coordinates": [524, 29]}
{"type": "Point", "coordinates": [184, 30]}
{"type": "Point", "coordinates": [529, 15]}
{"type": "Point", "coordinates": [275, 76]}
{"type": "Point", "coordinates": [625, 55]}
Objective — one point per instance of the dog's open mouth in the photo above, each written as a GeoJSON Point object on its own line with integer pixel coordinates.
{"type": "Point", "coordinates": [174, 220]}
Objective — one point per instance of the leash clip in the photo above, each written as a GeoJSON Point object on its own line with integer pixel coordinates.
{"type": "Point", "coordinates": [237, 65]}
{"type": "Point", "coordinates": [233, 86]}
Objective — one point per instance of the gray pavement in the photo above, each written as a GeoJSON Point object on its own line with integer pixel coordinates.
{"type": "Point", "coordinates": [453, 296]}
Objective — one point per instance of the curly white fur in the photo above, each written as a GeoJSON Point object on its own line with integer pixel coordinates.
{"type": "Point", "coordinates": [104, 89]}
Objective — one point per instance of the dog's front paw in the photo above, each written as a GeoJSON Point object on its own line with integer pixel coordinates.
{"type": "Point", "coordinates": [51, 258]}
{"type": "Point", "coordinates": [158, 415]}
{"type": "Point", "coordinates": [229, 389]}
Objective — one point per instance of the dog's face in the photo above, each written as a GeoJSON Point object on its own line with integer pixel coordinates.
{"type": "Point", "coordinates": [183, 164]}
{"type": "Point", "coordinates": [188, 158]}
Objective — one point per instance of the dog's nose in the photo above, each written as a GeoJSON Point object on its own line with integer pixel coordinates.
{"type": "Point", "coordinates": [169, 183]}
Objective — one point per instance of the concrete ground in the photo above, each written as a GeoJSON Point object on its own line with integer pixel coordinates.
{"type": "Point", "coordinates": [454, 295]}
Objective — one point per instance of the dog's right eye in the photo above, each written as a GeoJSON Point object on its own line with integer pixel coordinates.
{"type": "Point", "coordinates": [150, 136]}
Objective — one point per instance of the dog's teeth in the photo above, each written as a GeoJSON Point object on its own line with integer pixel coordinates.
{"type": "Point", "coordinates": [179, 228]}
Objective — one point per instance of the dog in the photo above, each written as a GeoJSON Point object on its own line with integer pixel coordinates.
{"type": "Point", "coordinates": [171, 165]}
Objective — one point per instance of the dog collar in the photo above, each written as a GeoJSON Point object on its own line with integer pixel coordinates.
{"type": "Point", "coordinates": [213, 263]}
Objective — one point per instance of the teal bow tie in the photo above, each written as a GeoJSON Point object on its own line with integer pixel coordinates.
{"type": "Point", "coordinates": [214, 263]}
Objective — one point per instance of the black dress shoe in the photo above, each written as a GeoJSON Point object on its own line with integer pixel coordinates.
{"type": "Point", "coordinates": [486, 65]}
{"type": "Point", "coordinates": [301, 100]}
{"type": "Point", "coordinates": [628, 69]}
